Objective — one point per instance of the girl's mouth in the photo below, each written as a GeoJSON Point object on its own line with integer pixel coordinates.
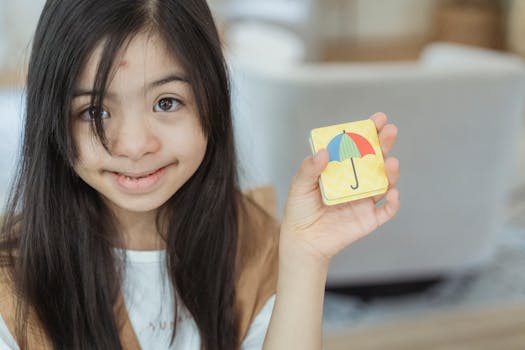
{"type": "Point", "coordinates": [132, 177]}
{"type": "Point", "coordinates": [139, 183]}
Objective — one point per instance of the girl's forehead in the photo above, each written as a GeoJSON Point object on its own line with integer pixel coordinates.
{"type": "Point", "coordinates": [141, 56]}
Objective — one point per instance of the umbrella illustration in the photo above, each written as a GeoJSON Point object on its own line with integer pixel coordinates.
{"type": "Point", "coordinates": [349, 145]}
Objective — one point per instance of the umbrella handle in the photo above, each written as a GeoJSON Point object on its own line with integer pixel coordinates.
{"type": "Point", "coordinates": [355, 176]}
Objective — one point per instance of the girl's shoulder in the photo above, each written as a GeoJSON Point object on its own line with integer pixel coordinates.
{"type": "Point", "coordinates": [263, 198]}
{"type": "Point", "coordinates": [10, 301]}
{"type": "Point", "coordinates": [9, 239]}
{"type": "Point", "coordinates": [7, 289]}
{"type": "Point", "coordinates": [10, 233]}
{"type": "Point", "coordinates": [258, 225]}
{"type": "Point", "coordinates": [8, 296]}
{"type": "Point", "coordinates": [257, 253]}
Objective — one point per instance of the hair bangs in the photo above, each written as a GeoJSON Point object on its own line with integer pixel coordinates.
{"type": "Point", "coordinates": [113, 46]}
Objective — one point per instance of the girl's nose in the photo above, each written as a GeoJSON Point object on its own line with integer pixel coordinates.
{"type": "Point", "coordinates": [133, 139]}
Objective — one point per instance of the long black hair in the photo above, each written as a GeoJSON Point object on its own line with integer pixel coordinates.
{"type": "Point", "coordinates": [60, 236]}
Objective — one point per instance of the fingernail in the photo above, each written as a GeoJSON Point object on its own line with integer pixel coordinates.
{"type": "Point", "coordinates": [316, 156]}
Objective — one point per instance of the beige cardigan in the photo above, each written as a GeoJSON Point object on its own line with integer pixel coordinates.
{"type": "Point", "coordinates": [257, 264]}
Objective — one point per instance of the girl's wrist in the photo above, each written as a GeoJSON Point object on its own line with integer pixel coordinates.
{"type": "Point", "coordinates": [301, 273]}
{"type": "Point", "coordinates": [296, 255]}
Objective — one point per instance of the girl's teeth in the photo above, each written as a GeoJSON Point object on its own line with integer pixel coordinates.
{"type": "Point", "coordinates": [137, 178]}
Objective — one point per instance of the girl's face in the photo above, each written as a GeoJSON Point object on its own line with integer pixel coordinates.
{"type": "Point", "coordinates": [151, 122]}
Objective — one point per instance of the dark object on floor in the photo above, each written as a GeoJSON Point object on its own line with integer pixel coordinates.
{"type": "Point", "coordinates": [368, 292]}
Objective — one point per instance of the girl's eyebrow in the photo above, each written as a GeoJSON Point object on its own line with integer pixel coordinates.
{"type": "Point", "coordinates": [163, 81]}
{"type": "Point", "coordinates": [166, 80]}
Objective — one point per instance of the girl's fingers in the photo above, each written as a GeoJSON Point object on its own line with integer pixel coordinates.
{"type": "Point", "coordinates": [390, 208]}
{"type": "Point", "coordinates": [392, 174]}
{"type": "Point", "coordinates": [387, 138]}
{"type": "Point", "coordinates": [387, 132]}
{"type": "Point", "coordinates": [306, 179]}
{"type": "Point", "coordinates": [392, 171]}
{"type": "Point", "coordinates": [380, 119]}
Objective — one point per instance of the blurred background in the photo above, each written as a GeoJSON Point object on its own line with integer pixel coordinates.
{"type": "Point", "coordinates": [448, 272]}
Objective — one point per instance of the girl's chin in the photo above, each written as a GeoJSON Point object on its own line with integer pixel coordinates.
{"type": "Point", "coordinates": [134, 206]}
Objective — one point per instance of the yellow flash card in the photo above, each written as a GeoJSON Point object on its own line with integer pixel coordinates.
{"type": "Point", "coordinates": [356, 168]}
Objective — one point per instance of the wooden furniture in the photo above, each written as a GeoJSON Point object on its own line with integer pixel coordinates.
{"type": "Point", "coordinates": [371, 51]}
{"type": "Point", "coordinates": [490, 327]}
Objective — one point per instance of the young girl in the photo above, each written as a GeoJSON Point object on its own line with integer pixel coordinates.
{"type": "Point", "coordinates": [126, 228]}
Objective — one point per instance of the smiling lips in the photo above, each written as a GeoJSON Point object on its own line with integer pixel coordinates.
{"type": "Point", "coordinates": [138, 183]}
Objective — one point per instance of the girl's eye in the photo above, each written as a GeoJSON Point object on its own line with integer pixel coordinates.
{"type": "Point", "coordinates": [167, 104]}
{"type": "Point", "coordinates": [90, 113]}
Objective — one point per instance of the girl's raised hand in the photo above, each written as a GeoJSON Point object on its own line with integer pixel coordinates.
{"type": "Point", "coordinates": [311, 229]}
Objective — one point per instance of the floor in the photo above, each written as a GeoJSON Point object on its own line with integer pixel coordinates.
{"type": "Point", "coordinates": [490, 328]}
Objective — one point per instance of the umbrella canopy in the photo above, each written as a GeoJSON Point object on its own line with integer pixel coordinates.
{"type": "Point", "coordinates": [348, 145]}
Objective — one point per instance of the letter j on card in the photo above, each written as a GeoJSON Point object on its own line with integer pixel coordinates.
{"type": "Point", "coordinates": [356, 168]}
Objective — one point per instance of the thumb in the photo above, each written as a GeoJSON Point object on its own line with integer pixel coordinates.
{"type": "Point", "coordinates": [307, 178]}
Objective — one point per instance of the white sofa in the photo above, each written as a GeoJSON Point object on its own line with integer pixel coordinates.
{"type": "Point", "coordinates": [459, 114]}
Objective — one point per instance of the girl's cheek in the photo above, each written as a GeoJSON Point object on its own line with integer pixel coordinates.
{"type": "Point", "coordinates": [89, 151]}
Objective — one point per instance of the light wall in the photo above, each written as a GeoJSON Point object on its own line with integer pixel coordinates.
{"type": "Point", "coordinates": [18, 19]}
{"type": "Point", "coordinates": [365, 20]}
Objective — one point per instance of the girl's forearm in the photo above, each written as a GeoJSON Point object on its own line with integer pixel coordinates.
{"type": "Point", "coordinates": [296, 321]}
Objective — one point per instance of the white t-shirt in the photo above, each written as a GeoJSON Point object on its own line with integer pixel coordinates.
{"type": "Point", "coordinates": [148, 296]}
